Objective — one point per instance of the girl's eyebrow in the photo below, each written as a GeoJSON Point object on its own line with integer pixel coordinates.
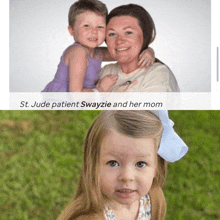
{"type": "Point", "coordinates": [113, 153]}
{"type": "Point", "coordinates": [143, 156]}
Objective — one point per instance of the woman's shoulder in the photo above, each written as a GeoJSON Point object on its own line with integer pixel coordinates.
{"type": "Point", "coordinates": [112, 68]}
{"type": "Point", "coordinates": [156, 72]}
{"type": "Point", "coordinates": [160, 68]}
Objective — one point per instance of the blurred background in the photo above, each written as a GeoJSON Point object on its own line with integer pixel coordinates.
{"type": "Point", "coordinates": [41, 157]}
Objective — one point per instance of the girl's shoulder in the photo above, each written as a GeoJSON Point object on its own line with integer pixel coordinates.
{"type": "Point", "coordinates": [74, 51]}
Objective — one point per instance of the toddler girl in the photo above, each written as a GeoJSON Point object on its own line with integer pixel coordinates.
{"type": "Point", "coordinates": [124, 169]}
{"type": "Point", "coordinates": [80, 63]}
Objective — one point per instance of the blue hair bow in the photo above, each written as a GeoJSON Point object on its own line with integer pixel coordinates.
{"type": "Point", "coordinates": [172, 147]}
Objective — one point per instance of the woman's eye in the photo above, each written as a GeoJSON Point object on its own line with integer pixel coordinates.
{"type": "Point", "coordinates": [111, 34]}
{"type": "Point", "coordinates": [100, 27]}
{"type": "Point", "coordinates": [113, 163]}
{"type": "Point", "coordinates": [128, 32]}
{"type": "Point", "coordinates": [86, 25]}
{"type": "Point", "coordinates": [141, 164]}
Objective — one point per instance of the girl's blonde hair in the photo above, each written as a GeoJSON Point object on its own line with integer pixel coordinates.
{"type": "Point", "coordinates": [137, 124]}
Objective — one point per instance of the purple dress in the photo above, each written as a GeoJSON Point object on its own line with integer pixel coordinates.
{"type": "Point", "coordinates": [60, 82]}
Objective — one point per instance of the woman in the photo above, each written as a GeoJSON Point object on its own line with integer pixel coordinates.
{"type": "Point", "coordinates": [130, 30]}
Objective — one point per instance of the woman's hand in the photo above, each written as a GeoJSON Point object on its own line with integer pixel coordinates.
{"type": "Point", "coordinates": [106, 83]}
{"type": "Point", "coordinates": [147, 58]}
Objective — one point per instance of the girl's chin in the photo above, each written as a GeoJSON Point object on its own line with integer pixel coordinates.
{"type": "Point", "coordinates": [90, 45]}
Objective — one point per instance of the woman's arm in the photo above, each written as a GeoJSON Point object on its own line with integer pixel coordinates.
{"type": "Point", "coordinates": [105, 54]}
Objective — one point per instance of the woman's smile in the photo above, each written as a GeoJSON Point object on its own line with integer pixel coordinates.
{"type": "Point", "coordinates": [124, 38]}
{"type": "Point", "coordinates": [122, 49]}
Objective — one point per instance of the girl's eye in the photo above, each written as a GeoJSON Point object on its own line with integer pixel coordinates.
{"type": "Point", "coordinates": [111, 34]}
{"type": "Point", "coordinates": [113, 163]}
{"type": "Point", "coordinates": [141, 164]}
{"type": "Point", "coordinates": [100, 27]}
{"type": "Point", "coordinates": [128, 32]}
{"type": "Point", "coordinates": [86, 25]}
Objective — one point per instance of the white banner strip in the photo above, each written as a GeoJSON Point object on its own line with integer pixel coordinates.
{"type": "Point", "coordinates": [111, 101]}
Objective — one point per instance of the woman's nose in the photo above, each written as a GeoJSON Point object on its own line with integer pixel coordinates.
{"type": "Point", "coordinates": [120, 39]}
{"type": "Point", "coordinates": [126, 175]}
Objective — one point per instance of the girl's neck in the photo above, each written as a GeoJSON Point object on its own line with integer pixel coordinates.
{"type": "Point", "coordinates": [126, 212]}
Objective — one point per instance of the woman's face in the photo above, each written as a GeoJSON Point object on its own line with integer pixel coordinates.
{"type": "Point", "coordinates": [124, 38]}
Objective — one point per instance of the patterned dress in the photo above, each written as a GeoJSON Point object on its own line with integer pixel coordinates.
{"type": "Point", "coordinates": [144, 210]}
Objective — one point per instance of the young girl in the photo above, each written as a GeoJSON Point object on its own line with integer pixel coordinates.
{"type": "Point", "coordinates": [80, 63]}
{"type": "Point", "coordinates": [124, 168]}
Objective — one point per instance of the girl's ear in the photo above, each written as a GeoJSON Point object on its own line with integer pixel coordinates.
{"type": "Point", "coordinates": [70, 29]}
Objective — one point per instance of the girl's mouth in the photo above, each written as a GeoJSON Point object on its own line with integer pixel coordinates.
{"type": "Point", "coordinates": [125, 190]}
{"type": "Point", "coordinates": [125, 193]}
{"type": "Point", "coordinates": [92, 39]}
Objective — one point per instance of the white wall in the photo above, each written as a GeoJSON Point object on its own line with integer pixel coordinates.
{"type": "Point", "coordinates": [38, 36]}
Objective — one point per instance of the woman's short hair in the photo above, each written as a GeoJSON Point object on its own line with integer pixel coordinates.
{"type": "Point", "coordinates": [81, 6]}
{"type": "Point", "coordinates": [144, 19]}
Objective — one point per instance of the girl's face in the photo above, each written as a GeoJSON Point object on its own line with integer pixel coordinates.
{"type": "Point", "coordinates": [89, 29]}
{"type": "Point", "coordinates": [127, 167]}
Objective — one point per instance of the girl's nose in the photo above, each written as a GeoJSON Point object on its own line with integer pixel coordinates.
{"type": "Point", "coordinates": [94, 30]}
{"type": "Point", "coordinates": [126, 175]}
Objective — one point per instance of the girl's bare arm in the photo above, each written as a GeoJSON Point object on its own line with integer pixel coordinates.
{"type": "Point", "coordinates": [77, 62]}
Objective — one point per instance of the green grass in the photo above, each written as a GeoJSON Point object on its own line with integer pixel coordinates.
{"type": "Point", "coordinates": [192, 189]}
{"type": "Point", "coordinates": [41, 158]}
